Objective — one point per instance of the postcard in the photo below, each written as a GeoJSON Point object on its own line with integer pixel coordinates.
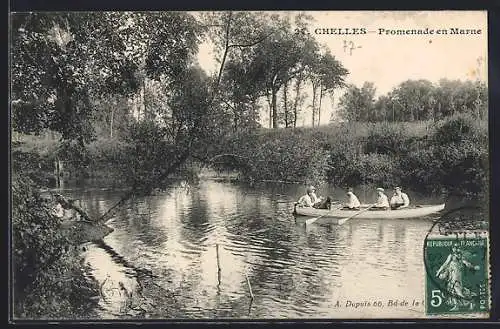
{"type": "Point", "coordinates": [225, 165]}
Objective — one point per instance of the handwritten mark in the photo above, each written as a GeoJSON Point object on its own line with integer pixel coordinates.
{"type": "Point", "coordinates": [349, 46]}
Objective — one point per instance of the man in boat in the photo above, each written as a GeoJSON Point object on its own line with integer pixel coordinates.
{"type": "Point", "coordinates": [311, 190]}
{"type": "Point", "coordinates": [382, 200]}
{"type": "Point", "coordinates": [311, 200]}
{"type": "Point", "coordinates": [352, 200]}
{"type": "Point", "coordinates": [399, 200]}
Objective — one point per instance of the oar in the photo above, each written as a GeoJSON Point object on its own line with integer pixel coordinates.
{"type": "Point", "coordinates": [312, 220]}
{"type": "Point", "coordinates": [343, 220]}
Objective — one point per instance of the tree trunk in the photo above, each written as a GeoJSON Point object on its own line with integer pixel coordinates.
{"type": "Point", "coordinates": [142, 105]}
{"type": "Point", "coordinates": [226, 50]}
{"type": "Point", "coordinates": [235, 120]}
{"type": "Point", "coordinates": [285, 87]}
{"type": "Point", "coordinates": [269, 102]}
{"type": "Point", "coordinates": [314, 103]}
{"type": "Point", "coordinates": [111, 123]}
{"type": "Point", "coordinates": [57, 172]}
{"type": "Point", "coordinates": [296, 102]}
{"type": "Point", "coordinates": [273, 107]}
{"type": "Point", "coordinates": [478, 101]}
{"type": "Point", "coordinates": [319, 104]}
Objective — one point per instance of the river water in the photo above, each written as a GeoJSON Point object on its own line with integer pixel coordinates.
{"type": "Point", "coordinates": [292, 271]}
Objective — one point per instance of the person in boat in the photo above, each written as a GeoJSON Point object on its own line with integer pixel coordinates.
{"type": "Point", "coordinates": [352, 200]}
{"type": "Point", "coordinates": [314, 198]}
{"type": "Point", "coordinates": [311, 200]}
{"type": "Point", "coordinates": [399, 199]}
{"type": "Point", "coordinates": [382, 200]}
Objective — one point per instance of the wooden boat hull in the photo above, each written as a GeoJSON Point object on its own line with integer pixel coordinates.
{"type": "Point", "coordinates": [334, 215]}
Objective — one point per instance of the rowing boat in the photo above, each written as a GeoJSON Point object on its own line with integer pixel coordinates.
{"type": "Point", "coordinates": [332, 216]}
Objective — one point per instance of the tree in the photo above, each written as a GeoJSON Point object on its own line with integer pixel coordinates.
{"type": "Point", "coordinates": [414, 96]}
{"type": "Point", "coordinates": [276, 60]}
{"type": "Point", "coordinates": [234, 34]}
{"type": "Point", "coordinates": [418, 100]}
{"type": "Point", "coordinates": [232, 31]}
{"type": "Point", "coordinates": [112, 115]}
{"type": "Point", "coordinates": [274, 55]}
{"type": "Point", "coordinates": [382, 109]}
{"type": "Point", "coordinates": [421, 100]}
{"type": "Point", "coordinates": [299, 96]}
{"type": "Point", "coordinates": [240, 92]}
{"type": "Point", "coordinates": [61, 60]}
{"type": "Point", "coordinates": [357, 104]}
{"type": "Point", "coordinates": [326, 75]}
{"type": "Point", "coordinates": [52, 69]}
{"type": "Point", "coordinates": [447, 96]}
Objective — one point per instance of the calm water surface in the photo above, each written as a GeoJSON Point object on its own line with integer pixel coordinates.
{"type": "Point", "coordinates": [294, 272]}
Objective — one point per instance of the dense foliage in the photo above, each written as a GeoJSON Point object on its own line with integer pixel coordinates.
{"type": "Point", "coordinates": [415, 100]}
{"type": "Point", "coordinates": [48, 280]}
{"type": "Point", "coordinates": [451, 154]}
{"type": "Point", "coordinates": [281, 155]}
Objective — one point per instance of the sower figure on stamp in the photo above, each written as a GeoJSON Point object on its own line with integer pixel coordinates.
{"type": "Point", "coordinates": [452, 272]}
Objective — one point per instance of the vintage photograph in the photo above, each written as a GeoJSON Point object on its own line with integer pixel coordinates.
{"type": "Point", "coordinates": [249, 165]}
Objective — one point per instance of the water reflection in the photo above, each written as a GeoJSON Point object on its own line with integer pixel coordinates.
{"type": "Point", "coordinates": [294, 271]}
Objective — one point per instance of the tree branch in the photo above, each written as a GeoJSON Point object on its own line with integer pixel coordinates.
{"type": "Point", "coordinates": [68, 204]}
{"type": "Point", "coordinates": [252, 43]}
{"type": "Point", "coordinates": [226, 50]}
{"type": "Point", "coordinates": [231, 106]}
{"type": "Point", "coordinates": [110, 212]}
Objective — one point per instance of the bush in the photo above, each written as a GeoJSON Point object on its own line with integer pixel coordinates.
{"type": "Point", "coordinates": [455, 157]}
{"type": "Point", "coordinates": [48, 280]}
{"type": "Point", "coordinates": [426, 156]}
{"type": "Point", "coordinates": [459, 128]}
{"type": "Point", "coordinates": [464, 167]}
{"type": "Point", "coordinates": [106, 158]}
{"type": "Point", "coordinates": [421, 170]}
{"type": "Point", "coordinates": [461, 153]}
{"type": "Point", "coordinates": [379, 169]}
{"type": "Point", "coordinates": [423, 156]}
{"type": "Point", "coordinates": [385, 138]}
{"type": "Point", "coordinates": [283, 155]}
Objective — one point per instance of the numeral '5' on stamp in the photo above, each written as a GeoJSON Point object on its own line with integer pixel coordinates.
{"type": "Point", "coordinates": [456, 276]}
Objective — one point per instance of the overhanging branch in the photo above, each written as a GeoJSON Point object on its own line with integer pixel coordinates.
{"type": "Point", "coordinates": [244, 45]}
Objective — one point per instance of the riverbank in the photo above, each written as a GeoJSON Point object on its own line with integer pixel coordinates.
{"type": "Point", "coordinates": [51, 279]}
{"type": "Point", "coordinates": [450, 155]}
{"type": "Point", "coordinates": [431, 157]}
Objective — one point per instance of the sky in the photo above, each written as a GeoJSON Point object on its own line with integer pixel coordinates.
{"type": "Point", "coordinates": [389, 59]}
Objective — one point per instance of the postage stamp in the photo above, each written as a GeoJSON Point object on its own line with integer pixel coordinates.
{"type": "Point", "coordinates": [457, 275]}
